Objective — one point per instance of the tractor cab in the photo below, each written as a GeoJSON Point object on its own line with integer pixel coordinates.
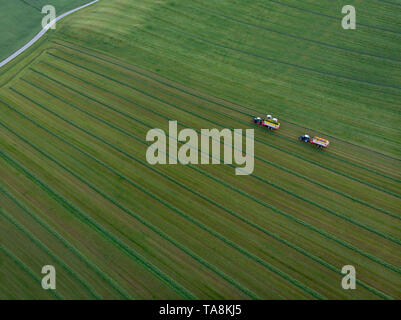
{"type": "Point", "coordinates": [305, 138]}
{"type": "Point", "coordinates": [257, 120]}
{"type": "Point", "coordinates": [319, 142]}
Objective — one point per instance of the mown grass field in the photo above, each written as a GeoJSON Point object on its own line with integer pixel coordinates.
{"type": "Point", "coordinates": [77, 192]}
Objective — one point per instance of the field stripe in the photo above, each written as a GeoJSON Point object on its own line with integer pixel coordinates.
{"type": "Point", "coordinates": [31, 5]}
{"type": "Point", "coordinates": [181, 213]}
{"type": "Point", "coordinates": [322, 262]}
{"type": "Point", "coordinates": [77, 212]}
{"type": "Point", "coordinates": [230, 108]}
{"type": "Point", "coordinates": [84, 259]}
{"type": "Point", "coordinates": [223, 114]}
{"type": "Point", "coordinates": [216, 123]}
{"type": "Point", "coordinates": [331, 17]}
{"type": "Point", "coordinates": [375, 259]}
{"type": "Point", "coordinates": [326, 154]}
{"type": "Point", "coordinates": [379, 261]}
{"type": "Point", "coordinates": [129, 67]}
{"type": "Point", "coordinates": [283, 137]}
{"type": "Point", "coordinates": [341, 140]}
{"type": "Point", "coordinates": [128, 211]}
{"type": "Point", "coordinates": [43, 247]}
{"type": "Point", "coordinates": [281, 62]}
{"type": "Point", "coordinates": [289, 35]}
{"type": "Point", "coordinates": [390, 2]}
{"type": "Point", "coordinates": [20, 264]}
{"type": "Point", "coordinates": [247, 123]}
{"type": "Point", "coordinates": [387, 237]}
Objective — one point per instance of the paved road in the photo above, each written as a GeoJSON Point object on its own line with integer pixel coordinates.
{"type": "Point", "coordinates": [41, 33]}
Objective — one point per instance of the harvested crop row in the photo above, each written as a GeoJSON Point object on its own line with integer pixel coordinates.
{"type": "Point", "coordinates": [172, 179]}
{"type": "Point", "coordinates": [23, 267]}
{"type": "Point", "coordinates": [285, 214]}
{"type": "Point", "coordinates": [84, 259]}
{"type": "Point", "coordinates": [257, 139]}
{"type": "Point", "coordinates": [74, 210]}
{"type": "Point", "coordinates": [178, 211]}
{"type": "Point", "coordinates": [390, 238]}
{"type": "Point", "coordinates": [50, 253]}
{"type": "Point", "coordinates": [128, 211]}
{"type": "Point", "coordinates": [203, 117]}
{"type": "Point", "coordinates": [169, 83]}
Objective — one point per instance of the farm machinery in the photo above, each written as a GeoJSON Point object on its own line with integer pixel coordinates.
{"type": "Point", "coordinates": [319, 142]}
{"type": "Point", "coordinates": [273, 124]}
{"type": "Point", "coordinates": [270, 122]}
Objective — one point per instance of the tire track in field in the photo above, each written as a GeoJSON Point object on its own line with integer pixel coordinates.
{"type": "Point", "coordinates": [20, 264]}
{"type": "Point", "coordinates": [339, 139]}
{"type": "Point", "coordinates": [175, 209]}
{"type": "Point", "coordinates": [238, 111]}
{"type": "Point", "coordinates": [281, 62]}
{"type": "Point", "coordinates": [83, 217]}
{"type": "Point", "coordinates": [257, 139]}
{"type": "Point", "coordinates": [330, 17]}
{"type": "Point", "coordinates": [128, 211]}
{"type": "Point", "coordinates": [129, 67]}
{"type": "Point", "coordinates": [373, 290]}
{"type": "Point", "coordinates": [337, 77]}
{"type": "Point", "coordinates": [219, 44]}
{"type": "Point", "coordinates": [283, 137]}
{"type": "Point", "coordinates": [234, 109]}
{"type": "Point", "coordinates": [387, 237]}
{"type": "Point", "coordinates": [389, 2]}
{"type": "Point", "coordinates": [276, 237]}
{"type": "Point", "coordinates": [67, 244]}
{"type": "Point", "coordinates": [329, 236]}
{"type": "Point", "coordinates": [289, 35]}
{"type": "Point", "coordinates": [31, 5]}
{"type": "Point", "coordinates": [216, 123]}
{"type": "Point", "coordinates": [49, 252]}
{"type": "Point", "coordinates": [322, 262]}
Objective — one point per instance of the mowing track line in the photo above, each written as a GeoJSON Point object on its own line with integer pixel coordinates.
{"type": "Point", "coordinates": [81, 257]}
{"type": "Point", "coordinates": [216, 123]}
{"type": "Point", "coordinates": [83, 217]}
{"type": "Point", "coordinates": [175, 209]}
{"type": "Point", "coordinates": [20, 264]}
{"type": "Point", "coordinates": [128, 211]}
{"type": "Point", "coordinates": [331, 17]}
{"type": "Point", "coordinates": [281, 62]}
{"type": "Point", "coordinates": [387, 237]}
{"type": "Point", "coordinates": [46, 249]}
{"type": "Point", "coordinates": [129, 67]}
{"type": "Point", "coordinates": [211, 110]}
{"type": "Point", "coordinates": [289, 35]}
{"type": "Point", "coordinates": [377, 260]}
{"type": "Point", "coordinates": [223, 114]}
{"type": "Point", "coordinates": [322, 262]}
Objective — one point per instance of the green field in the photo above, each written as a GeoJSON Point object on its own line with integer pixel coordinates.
{"type": "Point", "coordinates": [77, 192]}
{"type": "Point", "coordinates": [21, 20]}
